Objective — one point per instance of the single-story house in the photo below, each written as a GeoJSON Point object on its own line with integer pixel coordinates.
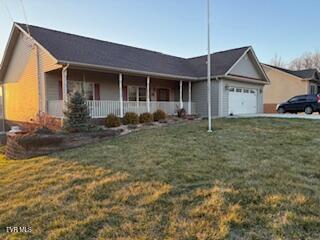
{"type": "Point", "coordinates": [41, 67]}
{"type": "Point", "coordinates": [285, 84]}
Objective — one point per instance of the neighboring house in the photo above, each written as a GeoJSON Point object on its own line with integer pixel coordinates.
{"type": "Point", "coordinates": [40, 70]}
{"type": "Point", "coordinates": [285, 84]}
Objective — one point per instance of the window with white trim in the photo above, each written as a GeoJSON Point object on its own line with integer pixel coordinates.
{"type": "Point", "coordinates": [85, 88]}
{"type": "Point", "coordinates": [136, 93]}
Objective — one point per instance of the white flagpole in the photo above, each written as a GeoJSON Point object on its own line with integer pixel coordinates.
{"type": "Point", "coordinates": [209, 72]}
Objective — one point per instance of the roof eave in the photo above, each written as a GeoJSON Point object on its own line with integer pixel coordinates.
{"type": "Point", "coordinates": [3, 64]}
{"type": "Point", "coordinates": [124, 70]}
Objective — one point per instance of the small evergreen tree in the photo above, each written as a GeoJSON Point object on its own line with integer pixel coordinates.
{"type": "Point", "coordinates": [77, 114]}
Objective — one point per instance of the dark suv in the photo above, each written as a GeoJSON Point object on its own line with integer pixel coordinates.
{"type": "Point", "coordinates": [302, 103]}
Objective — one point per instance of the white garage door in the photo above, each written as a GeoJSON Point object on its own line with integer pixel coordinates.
{"type": "Point", "coordinates": [242, 101]}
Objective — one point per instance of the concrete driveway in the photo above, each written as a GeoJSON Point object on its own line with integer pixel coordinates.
{"type": "Point", "coordinates": [315, 116]}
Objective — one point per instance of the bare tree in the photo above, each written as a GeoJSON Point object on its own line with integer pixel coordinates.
{"type": "Point", "coordinates": [307, 60]}
{"type": "Point", "coordinates": [277, 61]}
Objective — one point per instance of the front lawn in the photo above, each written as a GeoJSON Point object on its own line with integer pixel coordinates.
{"type": "Point", "coordinates": [250, 179]}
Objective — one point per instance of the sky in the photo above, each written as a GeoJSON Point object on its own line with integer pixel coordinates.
{"type": "Point", "coordinates": [287, 28]}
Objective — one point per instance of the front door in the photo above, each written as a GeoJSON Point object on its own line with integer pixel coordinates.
{"type": "Point", "coordinates": [163, 94]}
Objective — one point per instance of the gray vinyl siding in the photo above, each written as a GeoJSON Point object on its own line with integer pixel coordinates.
{"type": "Point", "coordinates": [247, 67]}
{"type": "Point", "coordinates": [52, 86]}
{"type": "Point", "coordinates": [225, 94]}
{"type": "Point", "coordinates": [109, 88]}
{"type": "Point", "coordinates": [199, 96]}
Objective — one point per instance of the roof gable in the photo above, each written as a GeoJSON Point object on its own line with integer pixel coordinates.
{"type": "Point", "coordinates": [246, 67]}
{"type": "Point", "coordinates": [221, 62]}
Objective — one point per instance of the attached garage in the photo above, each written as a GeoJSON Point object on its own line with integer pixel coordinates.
{"type": "Point", "coordinates": [239, 98]}
{"type": "Point", "coordinates": [237, 85]}
{"type": "Point", "coordinates": [242, 101]}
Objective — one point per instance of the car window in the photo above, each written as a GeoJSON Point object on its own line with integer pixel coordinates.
{"type": "Point", "coordinates": [312, 98]}
{"type": "Point", "coordinates": [295, 99]}
{"type": "Point", "coordinates": [302, 99]}
{"type": "Point", "coordinates": [298, 99]}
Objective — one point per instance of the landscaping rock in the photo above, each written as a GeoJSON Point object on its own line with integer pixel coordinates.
{"type": "Point", "coordinates": [22, 146]}
{"type": "Point", "coordinates": [132, 126]}
{"type": "Point", "coordinates": [163, 121]}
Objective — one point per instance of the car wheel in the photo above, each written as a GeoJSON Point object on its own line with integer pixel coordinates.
{"type": "Point", "coordinates": [281, 110]}
{"type": "Point", "coordinates": [308, 110]}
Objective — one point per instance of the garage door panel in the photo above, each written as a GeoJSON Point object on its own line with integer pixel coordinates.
{"type": "Point", "coordinates": [242, 101]}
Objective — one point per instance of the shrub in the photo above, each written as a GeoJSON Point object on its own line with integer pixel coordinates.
{"type": "Point", "coordinates": [146, 117]}
{"type": "Point", "coordinates": [77, 114]}
{"type": "Point", "coordinates": [112, 121]}
{"type": "Point", "coordinates": [181, 113]}
{"type": "Point", "coordinates": [159, 115]}
{"type": "Point", "coordinates": [130, 118]}
{"type": "Point", "coordinates": [43, 130]}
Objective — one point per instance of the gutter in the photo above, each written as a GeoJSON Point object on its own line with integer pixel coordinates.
{"type": "Point", "coordinates": [125, 70]}
{"type": "Point", "coordinates": [137, 72]}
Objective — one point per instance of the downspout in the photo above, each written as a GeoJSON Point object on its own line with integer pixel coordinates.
{"type": "Point", "coordinates": [3, 109]}
{"type": "Point", "coordinates": [39, 83]}
{"type": "Point", "coordinates": [64, 87]}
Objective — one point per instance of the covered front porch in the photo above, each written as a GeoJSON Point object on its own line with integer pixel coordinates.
{"type": "Point", "coordinates": [117, 93]}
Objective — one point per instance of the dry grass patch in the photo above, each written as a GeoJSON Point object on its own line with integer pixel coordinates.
{"type": "Point", "coordinates": [250, 179]}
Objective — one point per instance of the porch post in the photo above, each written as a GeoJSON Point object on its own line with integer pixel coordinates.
{"type": "Point", "coordinates": [64, 86]}
{"type": "Point", "coordinates": [148, 94]}
{"type": "Point", "coordinates": [189, 99]}
{"type": "Point", "coordinates": [181, 102]}
{"type": "Point", "coordinates": [120, 95]}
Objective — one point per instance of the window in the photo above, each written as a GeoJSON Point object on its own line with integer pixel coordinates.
{"type": "Point", "coordinates": [231, 89]}
{"type": "Point", "coordinates": [298, 99]}
{"type": "Point", "coordinates": [74, 86]}
{"type": "Point", "coordinates": [132, 93]}
{"type": "Point", "coordinates": [142, 94]}
{"type": "Point", "coordinates": [163, 94]}
{"type": "Point", "coordinates": [312, 98]}
{"type": "Point", "coordinates": [85, 88]}
{"type": "Point", "coordinates": [137, 93]}
{"type": "Point", "coordinates": [302, 99]}
{"type": "Point", "coordinates": [238, 90]}
{"type": "Point", "coordinates": [246, 91]}
{"type": "Point", "coordinates": [88, 91]}
{"type": "Point", "coordinates": [252, 91]}
{"type": "Point", "coordinates": [313, 89]}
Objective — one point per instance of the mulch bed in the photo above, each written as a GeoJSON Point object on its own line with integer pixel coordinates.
{"type": "Point", "coordinates": [26, 145]}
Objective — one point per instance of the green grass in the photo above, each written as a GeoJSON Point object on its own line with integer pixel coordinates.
{"type": "Point", "coordinates": [250, 179]}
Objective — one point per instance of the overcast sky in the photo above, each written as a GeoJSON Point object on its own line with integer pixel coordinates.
{"type": "Point", "coordinates": [178, 27]}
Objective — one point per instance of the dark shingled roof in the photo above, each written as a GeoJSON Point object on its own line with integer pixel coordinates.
{"type": "Point", "coordinates": [305, 73]}
{"type": "Point", "coordinates": [67, 47]}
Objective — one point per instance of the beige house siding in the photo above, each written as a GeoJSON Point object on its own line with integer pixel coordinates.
{"type": "Point", "coordinates": [283, 86]}
{"type": "Point", "coordinates": [21, 93]}
{"type": "Point", "coordinates": [19, 59]}
{"type": "Point", "coordinates": [26, 70]}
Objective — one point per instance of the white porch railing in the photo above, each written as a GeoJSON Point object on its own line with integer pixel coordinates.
{"type": "Point", "coordinates": [101, 108]}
